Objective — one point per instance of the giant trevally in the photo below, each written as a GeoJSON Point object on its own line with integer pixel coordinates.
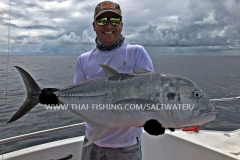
{"type": "Point", "coordinates": [143, 96]}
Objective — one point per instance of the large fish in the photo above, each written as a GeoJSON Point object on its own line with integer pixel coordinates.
{"type": "Point", "coordinates": [134, 99]}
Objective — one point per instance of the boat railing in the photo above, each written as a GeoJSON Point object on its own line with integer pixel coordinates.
{"type": "Point", "coordinates": [33, 134]}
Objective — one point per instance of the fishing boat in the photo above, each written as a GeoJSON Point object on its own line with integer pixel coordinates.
{"type": "Point", "coordinates": [178, 145]}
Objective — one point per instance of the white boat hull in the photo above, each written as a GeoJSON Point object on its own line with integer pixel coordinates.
{"type": "Point", "coordinates": [179, 145]}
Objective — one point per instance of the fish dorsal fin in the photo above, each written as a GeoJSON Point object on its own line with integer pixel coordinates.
{"type": "Point", "coordinates": [140, 71]}
{"type": "Point", "coordinates": [108, 70]}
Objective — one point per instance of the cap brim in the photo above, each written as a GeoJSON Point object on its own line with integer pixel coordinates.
{"type": "Point", "coordinates": [105, 12]}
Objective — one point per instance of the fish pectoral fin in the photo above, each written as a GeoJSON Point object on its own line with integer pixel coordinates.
{"type": "Point", "coordinates": [97, 133]}
{"type": "Point", "coordinates": [145, 103]}
{"type": "Point", "coordinates": [140, 71]}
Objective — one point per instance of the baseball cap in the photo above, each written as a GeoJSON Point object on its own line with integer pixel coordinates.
{"type": "Point", "coordinates": [107, 6]}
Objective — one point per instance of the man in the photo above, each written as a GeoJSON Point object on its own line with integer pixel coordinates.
{"type": "Point", "coordinates": [116, 143]}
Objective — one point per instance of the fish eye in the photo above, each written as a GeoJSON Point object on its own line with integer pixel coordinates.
{"type": "Point", "coordinates": [197, 94]}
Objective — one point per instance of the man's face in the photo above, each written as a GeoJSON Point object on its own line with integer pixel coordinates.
{"type": "Point", "coordinates": [108, 34]}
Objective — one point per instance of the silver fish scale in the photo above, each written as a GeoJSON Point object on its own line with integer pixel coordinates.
{"type": "Point", "coordinates": [141, 87]}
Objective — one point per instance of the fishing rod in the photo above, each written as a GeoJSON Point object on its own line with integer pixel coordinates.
{"type": "Point", "coordinates": [215, 101]}
{"type": "Point", "coordinates": [224, 99]}
{"type": "Point", "coordinates": [8, 50]}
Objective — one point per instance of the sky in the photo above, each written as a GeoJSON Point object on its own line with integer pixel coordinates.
{"type": "Point", "coordinates": [162, 27]}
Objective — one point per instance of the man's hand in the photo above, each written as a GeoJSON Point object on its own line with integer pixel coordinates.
{"type": "Point", "coordinates": [153, 127]}
{"type": "Point", "coordinates": [48, 97]}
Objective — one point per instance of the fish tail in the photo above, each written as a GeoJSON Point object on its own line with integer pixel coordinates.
{"type": "Point", "coordinates": [33, 93]}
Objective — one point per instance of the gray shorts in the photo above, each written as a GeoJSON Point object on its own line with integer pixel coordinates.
{"type": "Point", "coordinates": [94, 152]}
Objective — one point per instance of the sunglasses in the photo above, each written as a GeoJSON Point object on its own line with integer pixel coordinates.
{"type": "Point", "coordinates": [113, 21]}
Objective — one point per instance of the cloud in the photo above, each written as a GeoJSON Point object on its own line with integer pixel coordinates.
{"type": "Point", "coordinates": [200, 25]}
{"type": "Point", "coordinates": [28, 40]}
{"type": "Point", "coordinates": [208, 20]}
{"type": "Point", "coordinates": [187, 25]}
{"type": "Point", "coordinates": [72, 38]}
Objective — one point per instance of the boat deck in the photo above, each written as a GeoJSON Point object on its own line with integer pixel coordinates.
{"type": "Point", "coordinates": [179, 145]}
